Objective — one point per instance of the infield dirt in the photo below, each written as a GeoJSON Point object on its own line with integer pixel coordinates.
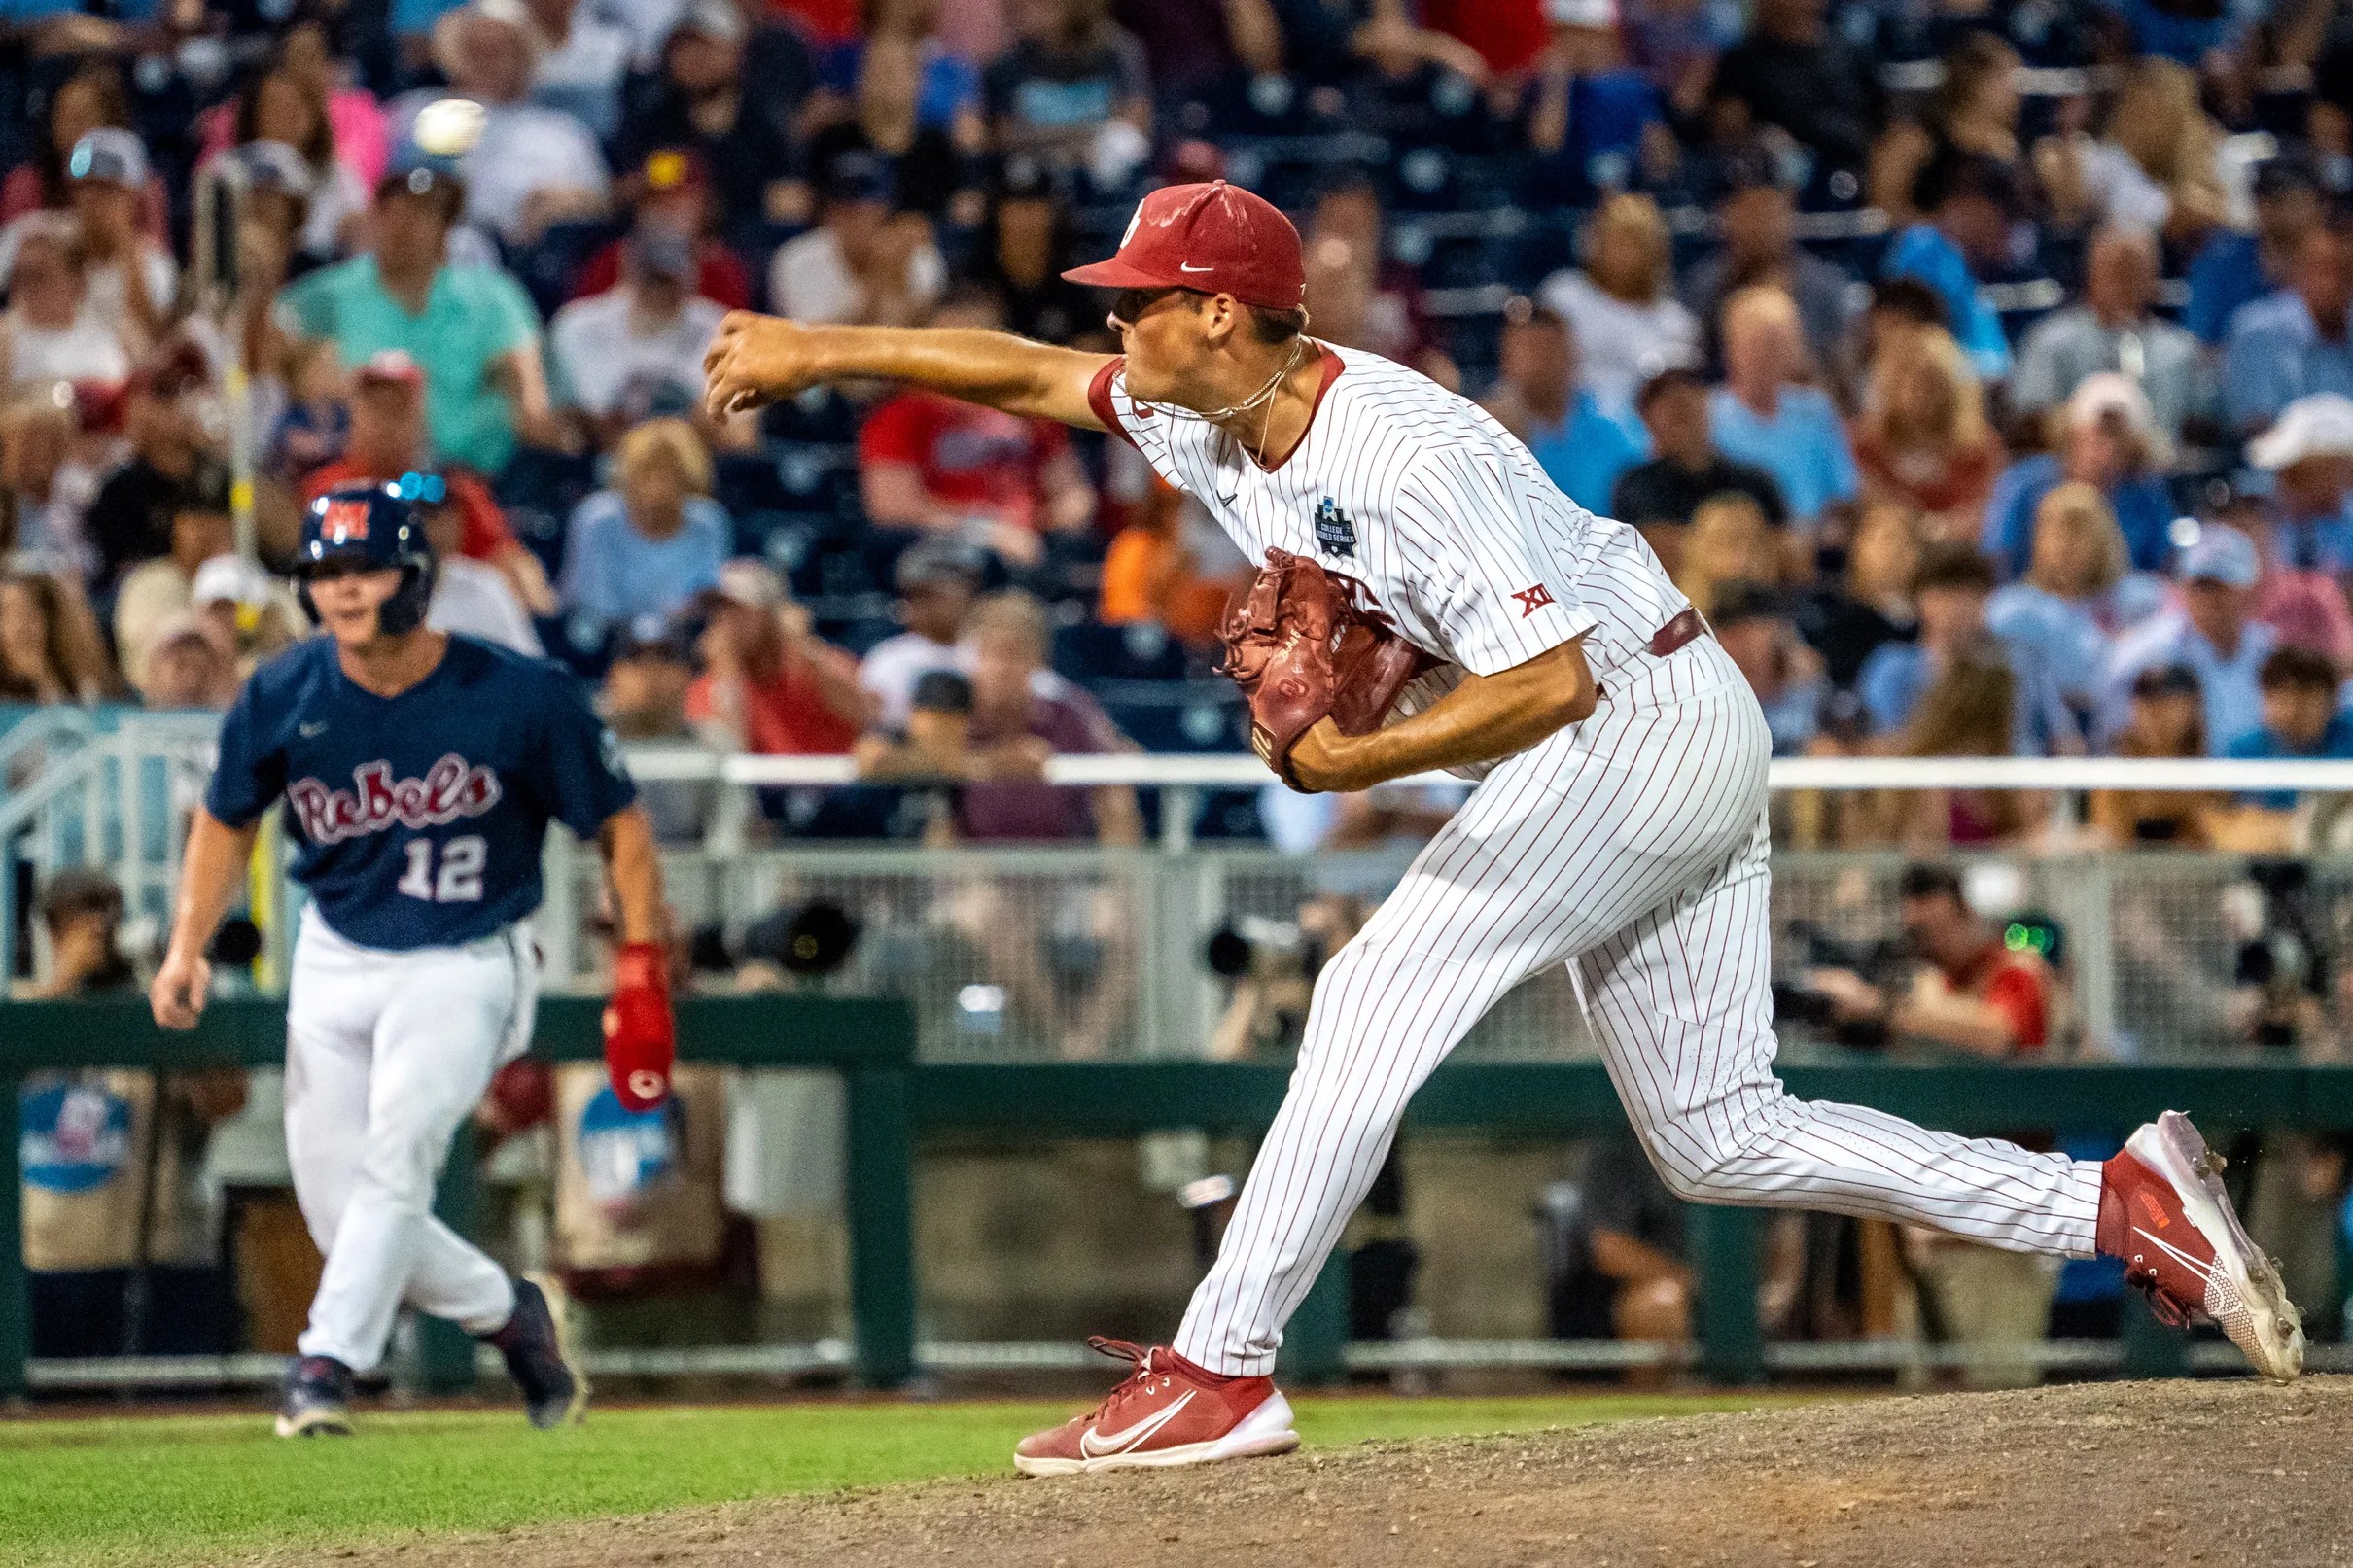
{"type": "Point", "coordinates": [2139, 1473]}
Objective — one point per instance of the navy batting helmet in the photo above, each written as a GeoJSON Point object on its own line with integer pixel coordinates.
{"type": "Point", "coordinates": [371, 527]}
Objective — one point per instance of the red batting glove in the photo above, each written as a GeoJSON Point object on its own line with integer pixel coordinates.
{"type": "Point", "coordinates": [639, 1040]}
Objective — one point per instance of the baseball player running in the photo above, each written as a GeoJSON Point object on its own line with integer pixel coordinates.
{"type": "Point", "coordinates": [419, 771]}
{"type": "Point", "coordinates": [1620, 826]}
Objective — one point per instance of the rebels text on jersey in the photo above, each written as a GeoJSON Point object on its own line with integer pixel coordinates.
{"type": "Point", "coordinates": [418, 820]}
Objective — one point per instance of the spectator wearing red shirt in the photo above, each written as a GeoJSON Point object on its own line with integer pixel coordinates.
{"type": "Point", "coordinates": [387, 440]}
{"type": "Point", "coordinates": [943, 467]}
{"type": "Point", "coordinates": [671, 190]}
{"type": "Point", "coordinates": [769, 685]}
{"type": "Point", "coordinates": [1972, 991]}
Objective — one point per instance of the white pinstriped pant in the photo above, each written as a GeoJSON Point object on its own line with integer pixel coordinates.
{"type": "Point", "coordinates": [1634, 844]}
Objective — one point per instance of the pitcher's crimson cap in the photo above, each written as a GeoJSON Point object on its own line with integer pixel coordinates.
{"type": "Point", "coordinates": [1216, 238]}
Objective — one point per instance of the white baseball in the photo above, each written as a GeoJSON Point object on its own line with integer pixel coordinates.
{"type": "Point", "coordinates": [449, 127]}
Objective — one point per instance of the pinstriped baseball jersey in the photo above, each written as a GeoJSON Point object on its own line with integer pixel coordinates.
{"type": "Point", "coordinates": [1428, 513]}
{"type": "Point", "coordinates": [1632, 844]}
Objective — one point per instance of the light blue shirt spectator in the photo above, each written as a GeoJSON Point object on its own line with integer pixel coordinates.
{"type": "Point", "coordinates": [2232, 697]}
{"type": "Point", "coordinates": [2064, 636]}
{"type": "Point", "coordinates": [614, 573]}
{"type": "Point", "coordinates": [2275, 354]}
{"type": "Point", "coordinates": [1802, 446]}
{"type": "Point", "coordinates": [2225, 277]}
{"type": "Point", "coordinates": [1923, 252]}
{"type": "Point", "coordinates": [1897, 675]}
{"type": "Point", "coordinates": [2311, 511]}
{"type": "Point", "coordinates": [2143, 507]}
{"type": "Point", "coordinates": [2313, 543]}
{"type": "Point", "coordinates": [2264, 746]}
{"type": "Point", "coordinates": [1586, 451]}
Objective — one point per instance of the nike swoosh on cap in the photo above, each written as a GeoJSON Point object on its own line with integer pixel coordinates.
{"type": "Point", "coordinates": [1187, 267]}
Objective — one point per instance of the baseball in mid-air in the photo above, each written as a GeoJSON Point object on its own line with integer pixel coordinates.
{"type": "Point", "coordinates": [449, 127]}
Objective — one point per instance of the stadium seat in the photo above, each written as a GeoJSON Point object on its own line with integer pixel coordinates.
{"type": "Point", "coordinates": [818, 414]}
{"type": "Point", "coordinates": [793, 542]}
{"type": "Point", "coordinates": [580, 644]}
{"type": "Point", "coordinates": [1230, 815]}
{"type": "Point", "coordinates": [547, 267]}
{"type": "Point", "coordinates": [748, 483]}
{"type": "Point", "coordinates": [1202, 717]}
{"type": "Point", "coordinates": [539, 488]}
{"type": "Point", "coordinates": [1091, 653]}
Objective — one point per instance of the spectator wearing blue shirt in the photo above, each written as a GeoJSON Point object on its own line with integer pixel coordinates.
{"type": "Point", "coordinates": [2296, 342]}
{"type": "Point", "coordinates": [1761, 416]}
{"type": "Point", "coordinates": [652, 545]}
{"type": "Point", "coordinates": [2062, 611]}
{"type": "Point", "coordinates": [1952, 590]}
{"type": "Point", "coordinates": [2184, 34]}
{"type": "Point", "coordinates": [2234, 268]}
{"type": "Point", "coordinates": [2309, 455]}
{"type": "Point", "coordinates": [1757, 221]}
{"type": "Point", "coordinates": [1070, 70]}
{"type": "Point", "coordinates": [1753, 624]}
{"type": "Point", "coordinates": [1970, 199]}
{"type": "Point", "coordinates": [2301, 720]}
{"type": "Point", "coordinates": [947, 96]}
{"type": "Point", "coordinates": [1594, 124]}
{"type": "Point", "coordinates": [2114, 329]}
{"type": "Point", "coordinates": [2213, 634]}
{"type": "Point", "coordinates": [1580, 446]}
{"type": "Point", "coordinates": [2107, 438]}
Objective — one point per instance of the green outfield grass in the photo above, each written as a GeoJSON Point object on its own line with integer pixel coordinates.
{"type": "Point", "coordinates": [131, 1494]}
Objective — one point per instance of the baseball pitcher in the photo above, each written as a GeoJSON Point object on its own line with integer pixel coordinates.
{"type": "Point", "coordinates": [1430, 600]}
{"type": "Point", "coordinates": [419, 771]}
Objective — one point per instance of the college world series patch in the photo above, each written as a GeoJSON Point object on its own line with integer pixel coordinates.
{"type": "Point", "coordinates": [1335, 535]}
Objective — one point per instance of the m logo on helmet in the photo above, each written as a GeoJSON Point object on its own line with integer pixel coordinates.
{"type": "Point", "coordinates": [343, 521]}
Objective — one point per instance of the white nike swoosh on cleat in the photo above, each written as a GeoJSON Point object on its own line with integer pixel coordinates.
{"type": "Point", "coordinates": [2188, 1262]}
{"type": "Point", "coordinates": [1101, 1445]}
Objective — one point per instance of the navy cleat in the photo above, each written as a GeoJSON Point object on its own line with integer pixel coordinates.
{"type": "Point", "coordinates": [318, 1399]}
{"type": "Point", "coordinates": [555, 1392]}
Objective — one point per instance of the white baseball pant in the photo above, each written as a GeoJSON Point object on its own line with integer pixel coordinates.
{"type": "Point", "coordinates": [386, 1052]}
{"type": "Point", "coordinates": [1634, 845]}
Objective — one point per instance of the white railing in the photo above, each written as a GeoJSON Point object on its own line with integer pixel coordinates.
{"type": "Point", "coordinates": [1838, 774]}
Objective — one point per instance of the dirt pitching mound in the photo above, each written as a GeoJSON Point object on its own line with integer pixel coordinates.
{"type": "Point", "coordinates": [2138, 1474]}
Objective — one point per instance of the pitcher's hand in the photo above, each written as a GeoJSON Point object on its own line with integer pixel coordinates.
{"type": "Point", "coordinates": [754, 361]}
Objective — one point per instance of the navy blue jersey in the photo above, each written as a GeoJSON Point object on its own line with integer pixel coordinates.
{"type": "Point", "coordinates": [418, 820]}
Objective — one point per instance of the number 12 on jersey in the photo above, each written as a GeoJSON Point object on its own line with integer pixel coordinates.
{"type": "Point", "coordinates": [460, 879]}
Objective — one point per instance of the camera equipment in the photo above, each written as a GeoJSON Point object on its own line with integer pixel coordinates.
{"type": "Point", "coordinates": [811, 941]}
{"type": "Point", "coordinates": [1884, 962]}
{"type": "Point", "coordinates": [1255, 946]}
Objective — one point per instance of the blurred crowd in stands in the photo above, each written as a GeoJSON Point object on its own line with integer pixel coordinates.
{"type": "Point", "coordinates": [1982, 368]}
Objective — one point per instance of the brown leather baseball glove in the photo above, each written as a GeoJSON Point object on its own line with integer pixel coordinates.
{"type": "Point", "coordinates": [1300, 654]}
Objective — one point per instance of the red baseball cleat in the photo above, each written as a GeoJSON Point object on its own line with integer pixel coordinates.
{"type": "Point", "coordinates": [1168, 1413]}
{"type": "Point", "coordinates": [2163, 1211]}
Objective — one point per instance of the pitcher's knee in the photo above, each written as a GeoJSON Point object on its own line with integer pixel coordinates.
{"type": "Point", "coordinates": [1705, 1159]}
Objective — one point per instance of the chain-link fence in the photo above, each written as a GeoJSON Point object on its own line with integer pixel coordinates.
{"type": "Point", "coordinates": [1035, 955]}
